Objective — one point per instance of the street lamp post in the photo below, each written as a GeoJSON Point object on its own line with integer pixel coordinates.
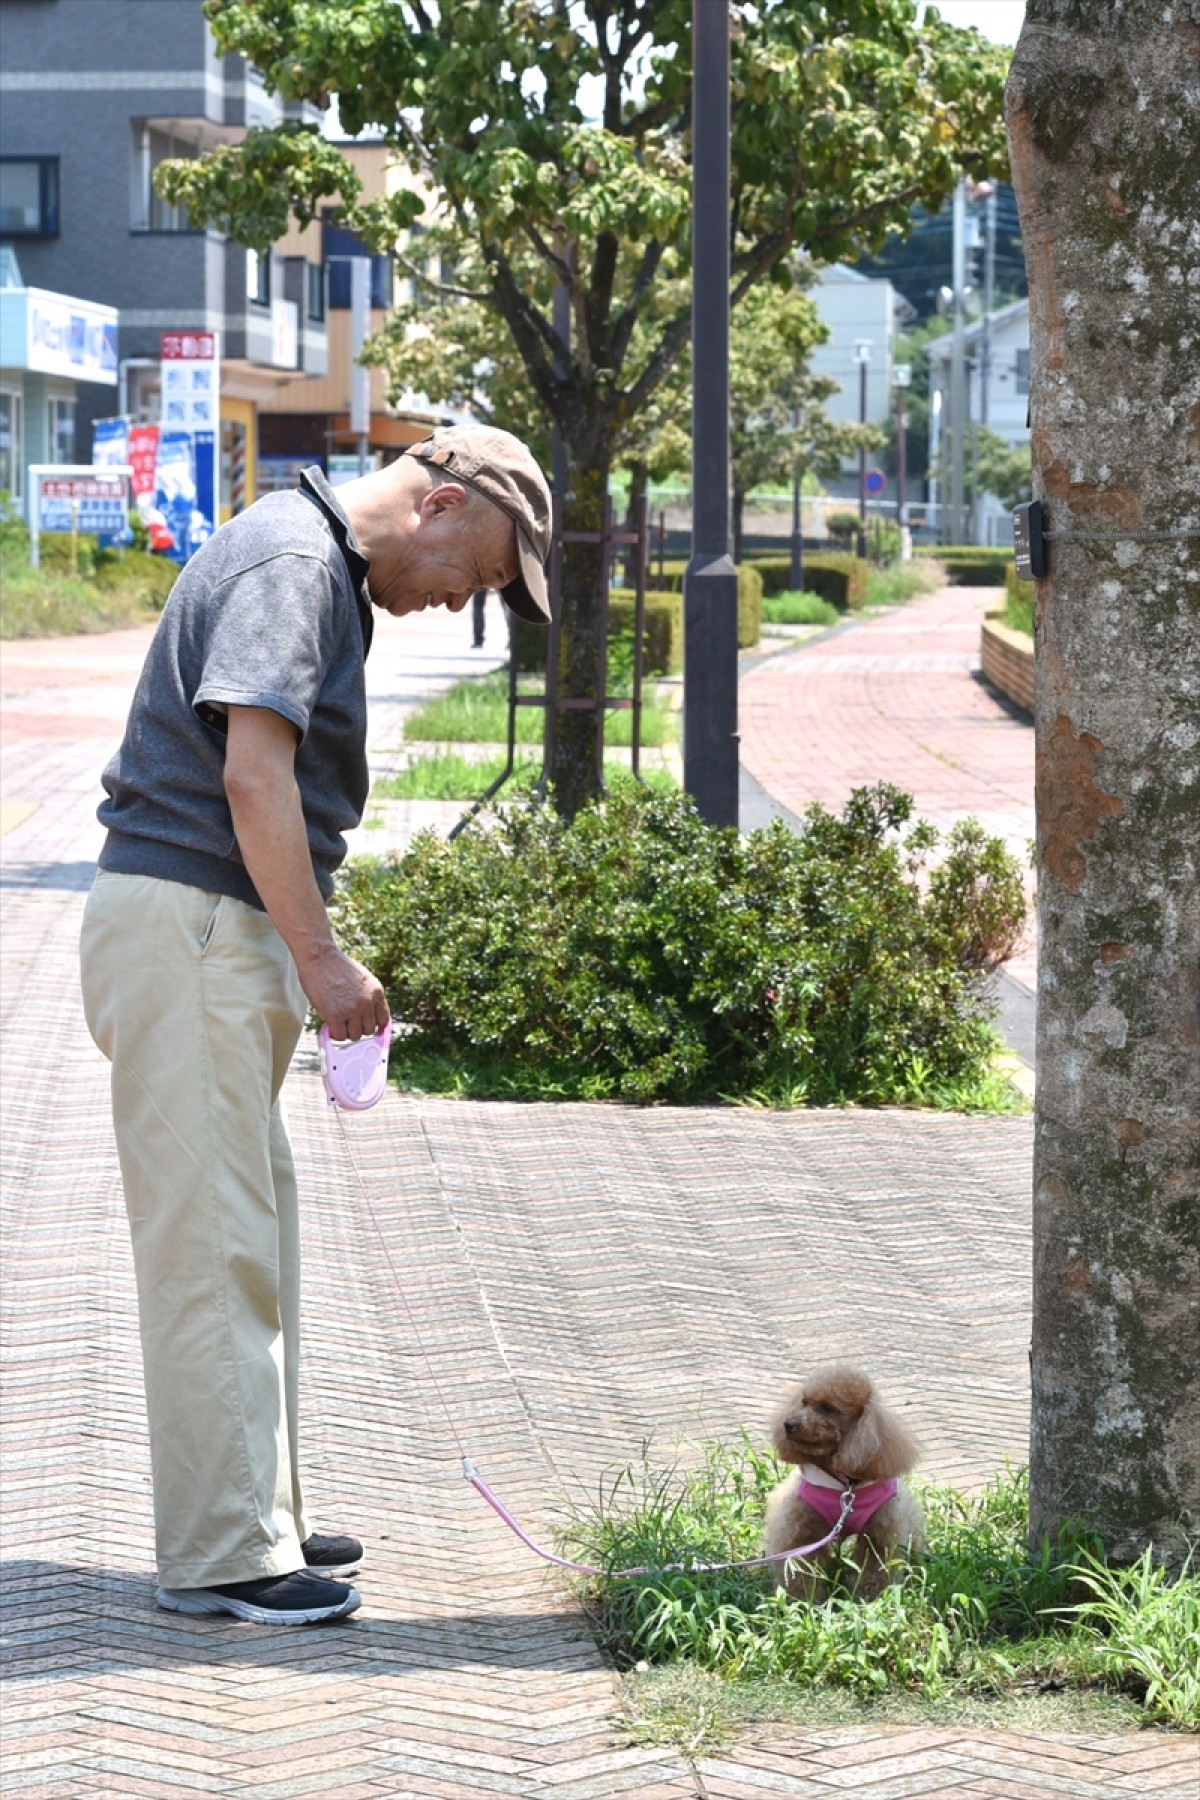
{"type": "Point", "coordinates": [710, 590]}
{"type": "Point", "coordinates": [901, 380]}
{"type": "Point", "coordinates": [862, 356]}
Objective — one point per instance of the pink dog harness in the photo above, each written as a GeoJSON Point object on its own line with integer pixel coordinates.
{"type": "Point", "coordinates": [824, 1495]}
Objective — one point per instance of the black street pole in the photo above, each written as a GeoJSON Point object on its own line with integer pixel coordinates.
{"type": "Point", "coordinates": [796, 571]}
{"type": "Point", "coordinates": [710, 589]}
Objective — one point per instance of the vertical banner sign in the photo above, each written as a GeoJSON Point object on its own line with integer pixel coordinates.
{"type": "Point", "coordinates": [110, 448]}
{"type": "Point", "coordinates": [143, 460]}
{"type": "Point", "coordinates": [191, 408]}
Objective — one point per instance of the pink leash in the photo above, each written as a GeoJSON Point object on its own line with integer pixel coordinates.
{"type": "Point", "coordinates": [469, 1470]}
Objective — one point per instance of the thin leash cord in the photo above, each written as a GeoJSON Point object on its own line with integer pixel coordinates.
{"type": "Point", "coordinates": [471, 1473]}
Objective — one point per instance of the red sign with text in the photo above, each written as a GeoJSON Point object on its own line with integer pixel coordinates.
{"type": "Point", "coordinates": [188, 346]}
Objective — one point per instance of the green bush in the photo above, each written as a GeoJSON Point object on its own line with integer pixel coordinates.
{"type": "Point", "coordinates": [799, 609]}
{"type": "Point", "coordinates": [641, 954]}
{"type": "Point", "coordinates": [110, 592]}
{"type": "Point", "coordinates": [1018, 601]}
{"type": "Point", "coordinates": [840, 579]}
{"type": "Point", "coordinates": [972, 565]}
{"type": "Point", "coordinates": [843, 526]}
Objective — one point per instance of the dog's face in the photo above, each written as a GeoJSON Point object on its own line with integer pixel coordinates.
{"type": "Point", "coordinates": [835, 1421]}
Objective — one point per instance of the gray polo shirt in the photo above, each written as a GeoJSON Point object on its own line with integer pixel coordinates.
{"type": "Point", "coordinates": [272, 611]}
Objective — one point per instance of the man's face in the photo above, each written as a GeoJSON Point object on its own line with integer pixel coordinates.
{"type": "Point", "coordinates": [451, 548]}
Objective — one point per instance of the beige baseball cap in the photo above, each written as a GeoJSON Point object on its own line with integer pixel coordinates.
{"type": "Point", "coordinates": [498, 466]}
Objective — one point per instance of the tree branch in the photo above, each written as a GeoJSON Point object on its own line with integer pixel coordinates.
{"type": "Point", "coordinates": [448, 288]}
{"type": "Point", "coordinates": [627, 317]}
{"type": "Point", "coordinates": [673, 340]}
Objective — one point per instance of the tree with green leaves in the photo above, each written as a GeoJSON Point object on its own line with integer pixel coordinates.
{"type": "Point", "coordinates": [556, 136]}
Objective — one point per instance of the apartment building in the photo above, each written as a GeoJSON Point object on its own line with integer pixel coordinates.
{"type": "Point", "coordinates": [94, 94]}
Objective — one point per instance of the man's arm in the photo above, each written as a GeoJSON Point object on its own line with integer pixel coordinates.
{"type": "Point", "coordinates": [260, 784]}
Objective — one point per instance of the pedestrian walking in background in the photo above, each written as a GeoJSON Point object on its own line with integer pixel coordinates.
{"type": "Point", "coordinates": [205, 938]}
{"type": "Point", "coordinates": [478, 616]}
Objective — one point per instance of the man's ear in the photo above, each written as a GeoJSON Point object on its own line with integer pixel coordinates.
{"type": "Point", "coordinates": [443, 498]}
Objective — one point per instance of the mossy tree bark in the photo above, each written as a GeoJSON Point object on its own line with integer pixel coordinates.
{"type": "Point", "coordinates": [1103, 112]}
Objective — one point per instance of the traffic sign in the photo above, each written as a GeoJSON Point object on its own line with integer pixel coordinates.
{"type": "Point", "coordinates": [874, 481]}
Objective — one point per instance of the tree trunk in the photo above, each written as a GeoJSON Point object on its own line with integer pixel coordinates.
{"type": "Point", "coordinates": [1105, 144]}
{"type": "Point", "coordinates": [575, 768]}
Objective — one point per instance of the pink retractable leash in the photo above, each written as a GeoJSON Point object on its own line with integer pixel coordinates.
{"type": "Point", "coordinates": [355, 1077]}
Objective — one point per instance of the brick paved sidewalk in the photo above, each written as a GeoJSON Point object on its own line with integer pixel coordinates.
{"type": "Point", "coordinates": [585, 1277]}
{"type": "Point", "coordinates": [896, 698]}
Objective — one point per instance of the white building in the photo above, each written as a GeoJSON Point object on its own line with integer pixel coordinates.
{"type": "Point", "coordinates": [857, 309]}
{"type": "Point", "coordinates": [999, 400]}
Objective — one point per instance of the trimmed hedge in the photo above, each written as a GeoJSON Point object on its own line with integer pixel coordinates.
{"type": "Point", "coordinates": [663, 645]}
{"type": "Point", "coordinates": [751, 589]}
{"type": "Point", "coordinates": [663, 650]}
{"type": "Point", "coordinates": [972, 565]}
{"type": "Point", "coordinates": [839, 578]}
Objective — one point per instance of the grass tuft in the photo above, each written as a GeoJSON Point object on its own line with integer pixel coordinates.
{"type": "Point", "coordinates": [977, 1622]}
{"type": "Point", "coordinates": [475, 711]}
{"type": "Point", "coordinates": [446, 775]}
{"type": "Point", "coordinates": [801, 608]}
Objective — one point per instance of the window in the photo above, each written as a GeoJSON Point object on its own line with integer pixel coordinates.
{"type": "Point", "coordinates": [12, 448]}
{"type": "Point", "coordinates": [61, 434]}
{"type": "Point", "coordinates": [258, 278]}
{"type": "Point", "coordinates": [1022, 372]}
{"type": "Point", "coordinates": [152, 146]}
{"type": "Point", "coordinates": [315, 281]}
{"type": "Point", "coordinates": [28, 196]}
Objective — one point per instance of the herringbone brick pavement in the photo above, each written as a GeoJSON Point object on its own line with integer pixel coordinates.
{"type": "Point", "coordinates": [584, 1278]}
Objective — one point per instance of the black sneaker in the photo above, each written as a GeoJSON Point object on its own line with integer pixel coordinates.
{"type": "Point", "coordinates": [299, 1599]}
{"type": "Point", "coordinates": [331, 1555]}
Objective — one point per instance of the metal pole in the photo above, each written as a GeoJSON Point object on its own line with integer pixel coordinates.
{"type": "Point", "coordinates": [989, 300]}
{"type": "Point", "coordinates": [360, 378]}
{"type": "Point", "coordinates": [710, 606]}
{"type": "Point", "coordinates": [796, 571]}
{"type": "Point", "coordinates": [902, 376]}
{"type": "Point", "coordinates": [958, 366]}
{"type": "Point", "coordinates": [862, 355]}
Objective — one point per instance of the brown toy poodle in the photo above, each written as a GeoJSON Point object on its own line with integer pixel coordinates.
{"type": "Point", "coordinates": [837, 1429]}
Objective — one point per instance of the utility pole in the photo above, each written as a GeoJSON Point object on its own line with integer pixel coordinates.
{"type": "Point", "coordinates": [710, 590]}
{"type": "Point", "coordinates": [360, 378]}
{"type": "Point", "coordinates": [901, 378]}
{"type": "Point", "coordinates": [958, 367]}
{"type": "Point", "coordinates": [989, 301]}
{"type": "Point", "coordinates": [862, 356]}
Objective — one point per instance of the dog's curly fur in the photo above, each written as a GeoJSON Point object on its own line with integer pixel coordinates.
{"type": "Point", "coordinates": [836, 1421]}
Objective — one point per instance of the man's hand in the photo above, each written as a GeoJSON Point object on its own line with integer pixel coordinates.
{"type": "Point", "coordinates": [344, 995]}
{"type": "Point", "coordinates": [260, 784]}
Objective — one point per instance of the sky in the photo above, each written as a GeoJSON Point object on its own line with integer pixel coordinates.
{"type": "Point", "coordinates": [998, 19]}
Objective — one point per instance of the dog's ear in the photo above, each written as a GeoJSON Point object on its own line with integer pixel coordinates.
{"type": "Point", "coordinates": [877, 1446]}
{"type": "Point", "coordinates": [860, 1446]}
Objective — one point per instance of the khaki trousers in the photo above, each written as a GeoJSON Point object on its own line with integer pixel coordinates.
{"type": "Point", "coordinates": [195, 1000]}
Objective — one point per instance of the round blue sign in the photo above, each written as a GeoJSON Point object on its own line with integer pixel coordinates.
{"type": "Point", "coordinates": [875, 481]}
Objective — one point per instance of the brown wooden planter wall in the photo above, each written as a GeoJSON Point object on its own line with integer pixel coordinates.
{"type": "Point", "coordinates": [1006, 657]}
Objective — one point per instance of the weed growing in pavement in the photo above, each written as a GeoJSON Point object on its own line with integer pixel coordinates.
{"type": "Point", "coordinates": [475, 711]}
{"type": "Point", "coordinates": [640, 954]}
{"type": "Point", "coordinates": [977, 1618]}
{"type": "Point", "coordinates": [900, 581]}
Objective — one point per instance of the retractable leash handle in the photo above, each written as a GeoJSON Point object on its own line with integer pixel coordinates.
{"type": "Point", "coordinates": [355, 1075]}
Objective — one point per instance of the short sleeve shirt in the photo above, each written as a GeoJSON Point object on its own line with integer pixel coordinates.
{"type": "Point", "coordinates": [272, 612]}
